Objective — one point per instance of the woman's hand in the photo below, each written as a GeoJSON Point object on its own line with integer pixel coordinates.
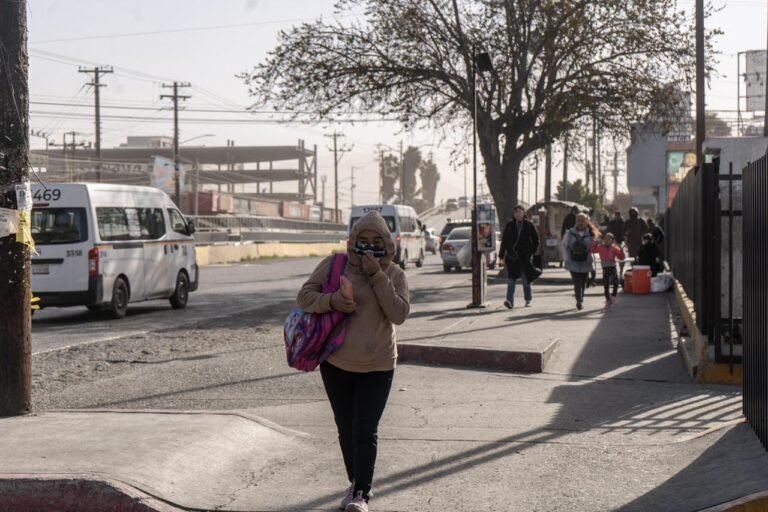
{"type": "Point", "coordinates": [370, 265]}
{"type": "Point", "coordinates": [346, 289]}
{"type": "Point", "coordinates": [341, 303]}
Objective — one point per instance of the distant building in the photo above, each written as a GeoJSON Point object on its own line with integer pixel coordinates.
{"type": "Point", "coordinates": [657, 162]}
{"type": "Point", "coordinates": [155, 141]}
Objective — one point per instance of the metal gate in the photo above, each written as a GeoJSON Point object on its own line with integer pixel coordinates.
{"type": "Point", "coordinates": [755, 289]}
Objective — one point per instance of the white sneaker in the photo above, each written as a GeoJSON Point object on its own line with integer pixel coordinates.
{"type": "Point", "coordinates": [359, 504]}
{"type": "Point", "coordinates": [348, 497]}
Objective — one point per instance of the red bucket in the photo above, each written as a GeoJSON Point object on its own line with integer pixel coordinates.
{"type": "Point", "coordinates": [641, 279]}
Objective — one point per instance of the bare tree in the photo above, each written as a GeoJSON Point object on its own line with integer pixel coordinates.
{"type": "Point", "coordinates": [557, 63]}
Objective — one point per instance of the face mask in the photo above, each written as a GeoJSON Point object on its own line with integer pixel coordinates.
{"type": "Point", "coordinates": [376, 252]}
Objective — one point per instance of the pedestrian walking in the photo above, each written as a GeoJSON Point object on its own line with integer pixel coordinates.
{"type": "Point", "coordinates": [358, 376]}
{"type": "Point", "coordinates": [609, 252]}
{"type": "Point", "coordinates": [569, 221]}
{"type": "Point", "coordinates": [634, 229]}
{"type": "Point", "coordinates": [616, 227]}
{"type": "Point", "coordinates": [577, 249]}
{"type": "Point", "coordinates": [519, 243]}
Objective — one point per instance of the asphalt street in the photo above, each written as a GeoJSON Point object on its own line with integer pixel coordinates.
{"type": "Point", "coordinates": [224, 291]}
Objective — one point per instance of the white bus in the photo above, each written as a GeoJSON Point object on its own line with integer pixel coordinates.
{"type": "Point", "coordinates": [104, 246]}
{"type": "Point", "coordinates": [406, 229]}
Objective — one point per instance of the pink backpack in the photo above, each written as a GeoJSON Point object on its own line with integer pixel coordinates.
{"type": "Point", "coordinates": [311, 337]}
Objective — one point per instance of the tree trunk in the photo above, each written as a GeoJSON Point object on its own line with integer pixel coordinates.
{"type": "Point", "coordinates": [502, 180]}
{"type": "Point", "coordinates": [15, 294]}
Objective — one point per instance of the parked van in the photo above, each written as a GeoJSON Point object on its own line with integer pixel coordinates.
{"type": "Point", "coordinates": [104, 246]}
{"type": "Point", "coordinates": [406, 229]}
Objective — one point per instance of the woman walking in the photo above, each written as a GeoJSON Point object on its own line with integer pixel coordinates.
{"type": "Point", "coordinates": [577, 250]}
{"type": "Point", "coordinates": [519, 243]}
{"type": "Point", "coordinates": [358, 376]}
{"type": "Point", "coordinates": [609, 252]}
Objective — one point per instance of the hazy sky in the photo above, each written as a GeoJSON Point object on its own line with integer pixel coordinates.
{"type": "Point", "coordinates": [65, 34]}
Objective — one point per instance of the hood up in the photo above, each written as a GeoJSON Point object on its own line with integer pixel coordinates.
{"type": "Point", "coordinates": [372, 221]}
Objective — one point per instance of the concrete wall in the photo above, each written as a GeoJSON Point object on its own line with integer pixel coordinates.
{"type": "Point", "coordinates": [646, 160]}
{"type": "Point", "coordinates": [236, 253]}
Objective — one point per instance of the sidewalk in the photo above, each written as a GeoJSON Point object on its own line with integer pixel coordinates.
{"type": "Point", "coordinates": [612, 423]}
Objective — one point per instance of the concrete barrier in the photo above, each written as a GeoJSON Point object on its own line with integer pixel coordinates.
{"type": "Point", "coordinates": [237, 253]}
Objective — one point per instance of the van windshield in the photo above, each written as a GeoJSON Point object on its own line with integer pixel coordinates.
{"type": "Point", "coordinates": [59, 226]}
{"type": "Point", "coordinates": [387, 218]}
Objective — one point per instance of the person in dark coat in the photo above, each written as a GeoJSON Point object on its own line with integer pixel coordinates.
{"type": "Point", "coordinates": [616, 227]}
{"type": "Point", "coordinates": [650, 255]}
{"type": "Point", "coordinates": [519, 243]}
{"type": "Point", "coordinates": [569, 221]}
{"type": "Point", "coordinates": [634, 229]}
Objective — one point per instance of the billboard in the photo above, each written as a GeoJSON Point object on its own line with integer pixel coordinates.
{"type": "Point", "coordinates": [164, 175]}
{"type": "Point", "coordinates": [679, 164]}
{"type": "Point", "coordinates": [754, 79]}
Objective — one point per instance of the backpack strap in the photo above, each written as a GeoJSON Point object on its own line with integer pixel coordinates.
{"type": "Point", "coordinates": [338, 265]}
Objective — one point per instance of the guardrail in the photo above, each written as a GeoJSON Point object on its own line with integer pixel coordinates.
{"type": "Point", "coordinates": [213, 229]}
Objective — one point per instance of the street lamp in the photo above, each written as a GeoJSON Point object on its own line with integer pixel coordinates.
{"type": "Point", "coordinates": [481, 62]}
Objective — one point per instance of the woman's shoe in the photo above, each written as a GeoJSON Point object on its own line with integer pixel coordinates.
{"type": "Point", "coordinates": [348, 497]}
{"type": "Point", "coordinates": [359, 504]}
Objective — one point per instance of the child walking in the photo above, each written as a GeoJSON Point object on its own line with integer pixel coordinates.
{"type": "Point", "coordinates": [609, 252]}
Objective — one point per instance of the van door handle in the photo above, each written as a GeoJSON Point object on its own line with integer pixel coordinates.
{"type": "Point", "coordinates": [165, 249]}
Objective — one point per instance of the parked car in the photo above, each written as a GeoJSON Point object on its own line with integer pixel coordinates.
{"type": "Point", "coordinates": [430, 240]}
{"type": "Point", "coordinates": [449, 226]}
{"type": "Point", "coordinates": [456, 240]}
{"type": "Point", "coordinates": [451, 205]}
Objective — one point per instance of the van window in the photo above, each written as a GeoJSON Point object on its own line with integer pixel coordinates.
{"type": "Point", "coordinates": [178, 224]}
{"type": "Point", "coordinates": [117, 224]}
{"type": "Point", "coordinates": [152, 223]}
{"type": "Point", "coordinates": [59, 226]}
{"type": "Point", "coordinates": [390, 220]}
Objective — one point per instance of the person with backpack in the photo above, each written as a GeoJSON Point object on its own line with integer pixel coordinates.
{"type": "Point", "coordinates": [358, 376]}
{"type": "Point", "coordinates": [577, 249]}
{"type": "Point", "coordinates": [609, 252]}
{"type": "Point", "coordinates": [519, 244]}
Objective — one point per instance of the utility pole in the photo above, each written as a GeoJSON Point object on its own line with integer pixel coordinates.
{"type": "Point", "coordinates": [565, 169]}
{"type": "Point", "coordinates": [97, 71]}
{"type": "Point", "coordinates": [175, 97]}
{"type": "Point", "coordinates": [594, 155]}
{"type": "Point", "coordinates": [548, 174]}
{"type": "Point", "coordinates": [586, 163]}
{"type": "Point", "coordinates": [402, 175]}
{"type": "Point", "coordinates": [338, 153]}
{"type": "Point", "coordinates": [700, 84]}
{"type": "Point", "coordinates": [323, 179]}
{"type": "Point", "coordinates": [352, 188]}
{"type": "Point", "coordinates": [600, 174]}
{"type": "Point", "coordinates": [15, 310]}
{"type": "Point", "coordinates": [615, 175]}
{"type": "Point", "coordinates": [765, 119]}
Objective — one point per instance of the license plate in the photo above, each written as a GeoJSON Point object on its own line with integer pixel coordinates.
{"type": "Point", "coordinates": [40, 269]}
{"type": "Point", "coordinates": [551, 242]}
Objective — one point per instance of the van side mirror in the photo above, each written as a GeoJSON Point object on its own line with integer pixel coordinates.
{"type": "Point", "coordinates": [190, 228]}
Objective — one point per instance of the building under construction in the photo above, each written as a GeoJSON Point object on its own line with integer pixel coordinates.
{"type": "Point", "coordinates": [275, 181]}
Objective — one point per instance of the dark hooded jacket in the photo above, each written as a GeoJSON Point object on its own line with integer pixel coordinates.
{"type": "Point", "coordinates": [382, 301]}
{"type": "Point", "coordinates": [518, 245]}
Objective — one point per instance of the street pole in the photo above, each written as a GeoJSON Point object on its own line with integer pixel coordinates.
{"type": "Point", "coordinates": [765, 119]}
{"type": "Point", "coordinates": [565, 169]}
{"type": "Point", "coordinates": [15, 310]}
{"type": "Point", "coordinates": [594, 156]}
{"type": "Point", "coordinates": [97, 71]}
{"type": "Point", "coordinates": [323, 179]}
{"type": "Point", "coordinates": [335, 180]}
{"type": "Point", "coordinates": [352, 188]}
{"type": "Point", "coordinates": [466, 197]}
{"type": "Point", "coordinates": [402, 175]}
{"type": "Point", "coordinates": [700, 84]}
{"type": "Point", "coordinates": [175, 97]}
{"type": "Point", "coordinates": [548, 174]}
{"type": "Point", "coordinates": [615, 176]}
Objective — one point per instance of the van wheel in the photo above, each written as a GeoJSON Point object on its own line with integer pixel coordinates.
{"type": "Point", "coordinates": [420, 261]}
{"type": "Point", "coordinates": [404, 260]}
{"type": "Point", "coordinates": [181, 293]}
{"type": "Point", "coordinates": [118, 307]}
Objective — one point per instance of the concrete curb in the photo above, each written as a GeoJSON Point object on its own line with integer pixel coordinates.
{"type": "Point", "coordinates": [74, 493]}
{"type": "Point", "coordinates": [505, 360]}
{"type": "Point", "coordinates": [757, 502]}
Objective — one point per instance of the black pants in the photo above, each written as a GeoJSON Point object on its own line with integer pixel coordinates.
{"type": "Point", "coordinates": [358, 401]}
{"type": "Point", "coordinates": [579, 284]}
{"type": "Point", "coordinates": [610, 277]}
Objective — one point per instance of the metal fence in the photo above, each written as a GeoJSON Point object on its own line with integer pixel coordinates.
{"type": "Point", "coordinates": [693, 242]}
{"type": "Point", "coordinates": [755, 285]}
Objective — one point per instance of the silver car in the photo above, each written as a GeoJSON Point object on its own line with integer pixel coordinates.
{"type": "Point", "coordinates": [456, 240]}
{"type": "Point", "coordinates": [430, 241]}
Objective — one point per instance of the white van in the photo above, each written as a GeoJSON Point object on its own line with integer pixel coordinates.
{"type": "Point", "coordinates": [103, 246]}
{"type": "Point", "coordinates": [406, 229]}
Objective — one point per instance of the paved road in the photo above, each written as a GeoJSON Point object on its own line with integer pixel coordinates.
{"type": "Point", "coordinates": [224, 291]}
